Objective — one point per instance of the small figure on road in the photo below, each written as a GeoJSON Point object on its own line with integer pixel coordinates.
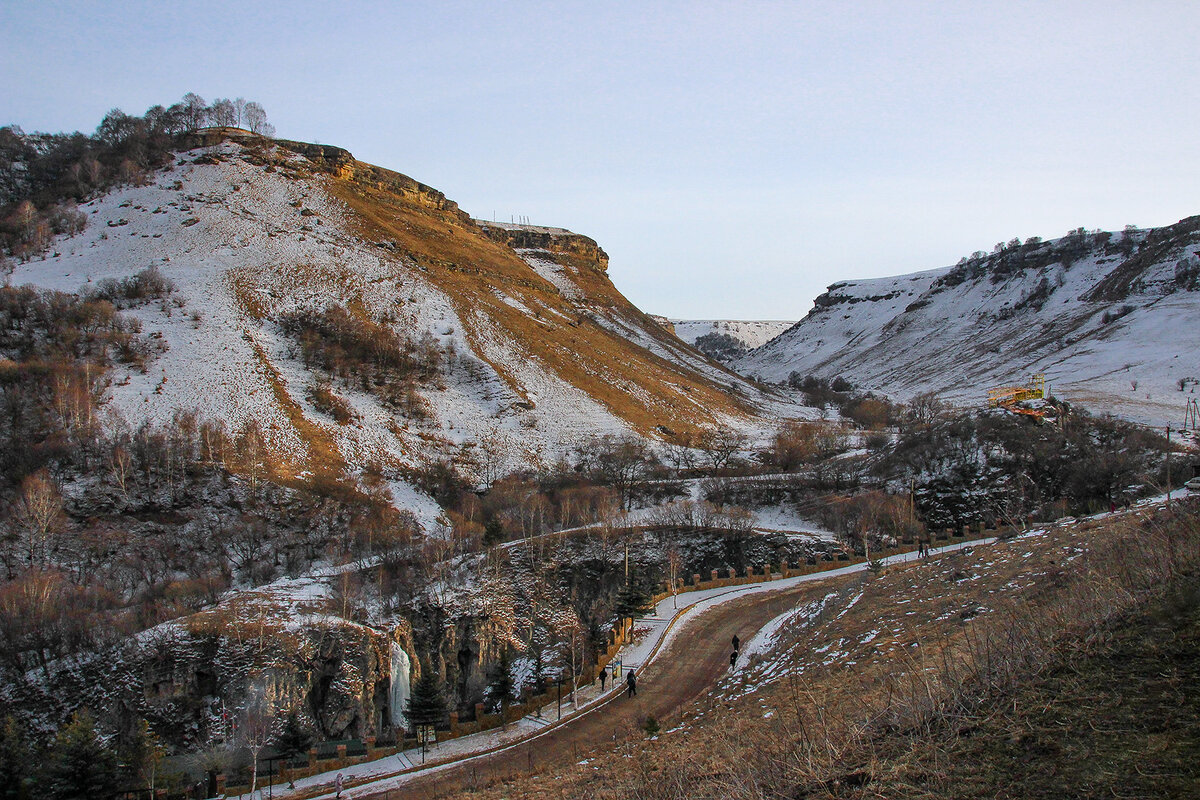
{"type": "Point", "coordinates": [733, 657]}
{"type": "Point", "coordinates": [631, 683]}
{"type": "Point", "coordinates": [603, 677]}
{"type": "Point", "coordinates": [737, 643]}
{"type": "Point", "coordinates": [337, 784]}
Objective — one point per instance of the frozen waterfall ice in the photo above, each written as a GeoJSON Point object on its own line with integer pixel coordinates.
{"type": "Point", "coordinates": [398, 696]}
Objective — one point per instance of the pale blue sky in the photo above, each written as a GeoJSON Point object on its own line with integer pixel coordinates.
{"type": "Point", "coordinates": [733, 158]}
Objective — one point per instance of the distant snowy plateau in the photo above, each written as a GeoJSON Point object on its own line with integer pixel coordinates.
{"type": "Point", "coordinates": [751, 333]}
{"type": "Point", "coordinates": [1110, 318]}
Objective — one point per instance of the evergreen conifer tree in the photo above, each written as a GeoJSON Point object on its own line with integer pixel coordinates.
{"type": "Point", "coordinates": [294, 739]}
{"type": "Point", "coordinates": [80, 765]}
{"type": "Point", "coordinates": [426, 705]}
{"type": "Point", "coordinates": [140, 755]}
{"type": "Point", "coordinates": [633, 600]}
{"type": "Point", "coordinates": [493, 532]}
{"type": "Point", "coordinates": [501, 683]}
{"type": "Point", "coordinates": [16, 758]}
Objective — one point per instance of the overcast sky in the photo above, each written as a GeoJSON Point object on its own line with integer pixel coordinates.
{"type": "Point", "coordinates": [732, 158]}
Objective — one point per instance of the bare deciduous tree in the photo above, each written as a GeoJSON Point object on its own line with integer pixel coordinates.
{"type": "Point", "coordinates": [222, 113]}
{"type": "Point", "coordinates": [195, 111]}
{"type": "Point", "coordinates": [721, 445]}
{"type": "Point", "coordinates": [256, 120]}
{"type": "Point", "coordinates": [39, 517]}
{"type": "Point", "coordinates": [260, 721]}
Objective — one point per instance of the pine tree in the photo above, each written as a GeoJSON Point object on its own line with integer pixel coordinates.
{"type": "Point", "coordinates": [16, 758]}
{"type": "Point", "coordinates": [501, 683]}
{"type": "Point", "coordinates": [633, 600]}
{"type": "Point", "coordinates": [426, 705]}
{"type": "Point", "coordinates": [294, 739]}
{"type": "Point", "coordinates": [140, 755]}
{"type": "Point", "coordinates": [493, 532]}
{"type": "Point", "coordinates": [80, 765]}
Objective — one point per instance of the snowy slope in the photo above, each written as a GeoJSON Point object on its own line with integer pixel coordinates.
{"type": "Point", "coordinates": [246, 244]}
{"type": "Point", "coordinates": [1105, 316]}
{"type": "Point", "coordinates": [751, 333]}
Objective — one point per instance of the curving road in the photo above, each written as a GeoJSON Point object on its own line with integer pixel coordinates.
{"type": "Point", "coordinates": [689, 665]}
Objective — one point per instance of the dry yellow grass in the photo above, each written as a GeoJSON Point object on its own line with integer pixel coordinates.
{"type": "Point", "coordinates": [638, 386]}
{"type": "Point", "coordinates": [324, 456]}
{"type": "Point", "coordinates": [873, 696]}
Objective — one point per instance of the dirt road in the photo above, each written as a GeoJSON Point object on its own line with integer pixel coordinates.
{"type": "Point", "coordinates": [693, 661]}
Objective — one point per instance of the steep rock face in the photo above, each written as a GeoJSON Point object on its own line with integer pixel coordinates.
{"type": "Point", "coordinates": [553, 240]}
{"type": "Point", "coordinates": [191, 681]}
{"type": "Point", "coordinates": [1099, 313]}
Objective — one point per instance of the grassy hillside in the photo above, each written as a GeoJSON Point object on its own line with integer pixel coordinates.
{"type": "Point", "coordinates": [579, 339]}
{"type": "Point", "coordinates": [1058, 663]}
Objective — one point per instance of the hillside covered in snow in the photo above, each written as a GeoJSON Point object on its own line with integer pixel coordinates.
{"type": "Point", "coordinates": [750, 333]}
{"type": "Point", "coordinates": [360, 318]}
{"type": "Point", "coordinates": [1106, 317]}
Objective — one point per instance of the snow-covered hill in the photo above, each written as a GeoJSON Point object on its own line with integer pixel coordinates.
{"type": "Point", "coordinates": [533, 348]}
{"type": "Point", "coordinates": [751, 333]}
{"type": "Point", "coordinates": [1108, 317]}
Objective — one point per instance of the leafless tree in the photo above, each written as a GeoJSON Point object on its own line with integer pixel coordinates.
{"type": "Point", "coordinates": [721, 445]}
{"type": "Point", "coordinates": [222, 112]}
{"type": "Point", "coordinates": [39, 517]}
{"type": "Point", "coordinates": [681, 453]}
{"type": "Point", "coordinates": [256, 120]}
{"type": "Point", "coordinates": [492, 447]}
{"type": "Point", "coordinates": [195, 111]}
{"type": "Point", "coordinates": [260, 721]}
{"type": "Point", "coordinates": [925, 409]}
{"type": "Point", "coordinates": [674, 562]}
{"type": "Point", "coordinates": [239, 110]}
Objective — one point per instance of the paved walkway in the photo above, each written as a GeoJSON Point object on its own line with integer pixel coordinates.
{"type": "Point", "coordinates": [710, 616]}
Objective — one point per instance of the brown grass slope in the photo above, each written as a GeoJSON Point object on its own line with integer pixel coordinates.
{"type": "Point", "coordinates": [1055, 665]}
{"type": "Point", "coordinates": [562, 335]}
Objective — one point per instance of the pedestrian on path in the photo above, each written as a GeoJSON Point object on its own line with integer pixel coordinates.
{"type": "Point", "coordinates": [737, 643]}
{"type": "Point", "coordinates": [631, 683]}
{"type": "Point", "coordinates": [603, 677]}
{"type": "Point", "coordinates": [733, 657]}
{"type": "Point", "coordinates": [337, 784]}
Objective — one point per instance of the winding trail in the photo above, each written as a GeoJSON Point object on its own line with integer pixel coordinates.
{"type": "Point", "coordinates": [685, 668]}
{"type": "Point", "coordinates": [686, 652]}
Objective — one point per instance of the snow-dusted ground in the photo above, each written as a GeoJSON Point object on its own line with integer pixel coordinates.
{"type": "Point", "coordinates": [751, 333]}
{"type": "Point", "coordinates": [905, 335]}
{"type": "Point", "coordinates": [654, 632]}
{"type": "Point", "coordinates": [244, 244]}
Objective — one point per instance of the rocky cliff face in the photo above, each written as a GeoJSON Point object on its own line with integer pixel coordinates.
{"type": "Point", "coordinates": [1099, 313]}
{"type": "Point", "coordinates": [552, 240]}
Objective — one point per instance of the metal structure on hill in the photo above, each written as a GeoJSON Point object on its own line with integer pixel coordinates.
{"type": "Point", "coordinates": [1010, 398]}
{"type": "Point", "coordinates": [1191, 415]}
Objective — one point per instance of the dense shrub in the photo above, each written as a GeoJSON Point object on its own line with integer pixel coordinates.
{"type": "Point", "coordinates": [361, 352]}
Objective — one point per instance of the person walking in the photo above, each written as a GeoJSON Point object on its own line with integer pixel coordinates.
{"type": "Point", "coordinates": [737, 643]}
{"type": "Point", "coordinates": [631, 683]}
{"type": "Point", "coordinates": [603, 677]}
{"type": "Point", "coordinates": [733, 657]}
{"type": "Point", "coordinates": [337, 784]}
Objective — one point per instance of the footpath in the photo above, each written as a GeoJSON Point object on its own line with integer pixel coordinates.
{"type": "Point", "coordinates": [651, 634]}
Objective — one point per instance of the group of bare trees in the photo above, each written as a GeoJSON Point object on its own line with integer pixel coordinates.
{"type": "Point", "coordinates": [44, 175]}
{"type": "Point", "coordinates": [236, 113]}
